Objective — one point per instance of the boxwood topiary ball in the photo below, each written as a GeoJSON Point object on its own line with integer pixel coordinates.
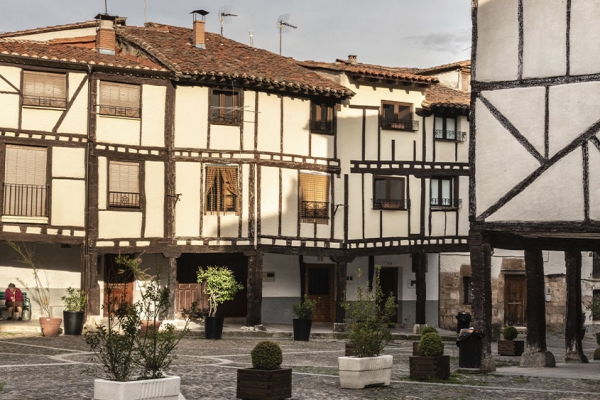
{"type": "Point", "coordinates": [266, 355]}
{"type": "Point", "coordinates": [431, 344]}
{"type": "Point", "coordinates": [428, 329]}
{"type": "Point", "coordinates": [510, 333]}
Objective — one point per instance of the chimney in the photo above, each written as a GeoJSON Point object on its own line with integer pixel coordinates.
{"type": "Point", "coordinates": [199, 26]}
{"type": "Point", "coordinates": [352, 59]}
{"type": "Point", "coordinates": [105, 34]}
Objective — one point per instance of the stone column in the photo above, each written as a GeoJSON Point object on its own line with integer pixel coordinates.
{"type": "Point", "coordinates": [419, 267]}
{"type": "Point", "coordinates": [341, 272]}
{"type": "Point", "coordinates": [172, 282]}
{"type": "Point", "coordinates": [536, 354]}
{"type": "Point", "coordinates": [254, 285]}
{"type": "Point", "coordinates": [574, 350]}
{"type": "Point", "coordinates": [481, 278]}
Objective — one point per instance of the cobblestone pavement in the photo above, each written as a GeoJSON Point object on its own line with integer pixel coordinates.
{"type": "Point", "coordinates": [36, 367]}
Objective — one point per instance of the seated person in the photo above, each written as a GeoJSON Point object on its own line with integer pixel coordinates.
{"type": "Point", "coordinates": [14, 298]}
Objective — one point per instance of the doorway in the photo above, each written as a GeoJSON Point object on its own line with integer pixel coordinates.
{"type": "Point", "coordinates": [389, 286]}
{"type": "Point", "coordinates": [118, 284]}
{"type": "Point", "coordinates": [319, 287]}
{"type": "Point", "coordinates": [515, 300]}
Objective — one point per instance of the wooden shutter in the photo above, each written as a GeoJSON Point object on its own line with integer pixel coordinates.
{"type": "Point", "coordinates": [314, 196]}
{"type": "Point", "coordinates": [124, 177]}
{"type": "Point", "coordinates": [25, 165]}
{"type": "Point", "coordinates": [222, 193]}
{"type": "Point", "coordinates": [44, 89]}
{"type": "Point", "coordinates": [119, 99]}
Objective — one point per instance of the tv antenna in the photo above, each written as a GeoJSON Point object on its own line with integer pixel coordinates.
{"type": "Point", "coordinates": [284, 27]}
{"type": "Point", "coordinates": [225, 16]}
{"type": "Point", "coordinates": [105, 6]}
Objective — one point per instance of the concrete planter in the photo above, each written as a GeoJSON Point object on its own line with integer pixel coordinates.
{"type": "Point", "coordinates": [155, 389]}
{"type": "Point", "coordinates": [356, 373]}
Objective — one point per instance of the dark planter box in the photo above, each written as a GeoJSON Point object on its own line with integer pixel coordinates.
{"type": "Point", "coordinates": [429, 367]}
{"type": "Point", "coordinates": [213, 327]}
{"type": "Point", "coordinates": [349, 351]}
{"type": "Point", "coordinates": [73, 322]}
{"type": "Point", "coordinates": [511, 347]}
{"type": "Point", "coordinates": [302, 329]}
{"type": "Point", "coordinates": [416, 348]}
{"type": "Point", "coordinates": [260, 384]}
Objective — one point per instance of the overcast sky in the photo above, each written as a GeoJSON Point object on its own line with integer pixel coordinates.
{"type": "Point", "coordinates": [399, 33]}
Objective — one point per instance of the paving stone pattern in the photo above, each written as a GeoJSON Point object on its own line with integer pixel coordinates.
{"type": "Point", "coordinates": [36, 367]}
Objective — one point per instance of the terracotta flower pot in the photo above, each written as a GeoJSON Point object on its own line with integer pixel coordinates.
{"type": "Point", "coordinates": [50, 326]}
{"type": "Point", "coordinates": [149, 326]}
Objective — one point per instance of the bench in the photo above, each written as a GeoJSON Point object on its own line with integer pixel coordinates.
{"type": "Point", "coordinates": [26, 305]}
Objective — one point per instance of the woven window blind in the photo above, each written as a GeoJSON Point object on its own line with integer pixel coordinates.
{"type": "Point", "coordinates": [124, 177]}
{"type": "Point", "coordinates": [222, 192]}
{"type": "Point", "coordinates": [119, 99]}
{"type": "Point", "coordinates": [25, 165]}
{"type": "Point", "coordinates": [44, 89]}
{"type": "Point", "coordinates": [314, 198]}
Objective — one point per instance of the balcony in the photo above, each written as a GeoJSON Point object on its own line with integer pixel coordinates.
{"type": "Point", "coordinates": [315, 209]}
{"type": "Point", "coordinates": [321, 127]}
{"type": "Point", "coordinates": [118, 111]}
{"type": "Point", "coordinates": [25, 200]}
{"type": "Point", "coordinates": [40, 101]}
{"type": "Point", "coordinates": [439, 203]}
{"type": "Point", "coordinates": [390, 204]}
{"type": "Point", "coordinates": [124, 199]}
{"type": "Point", "coordinates": [399, 124]}
{"type": "Point", "coordinates": [454, 136]}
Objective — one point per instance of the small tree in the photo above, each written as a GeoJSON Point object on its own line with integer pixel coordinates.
{"type": "Point", "coordinates": [220, 286]}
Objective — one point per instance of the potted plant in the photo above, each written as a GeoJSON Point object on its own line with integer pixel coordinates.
{"type": "Point", "coordinates": [304, 310]}
{"type": "Point", "coordinates": [132, 361]}
{"type": "Point", "coordinates": [431, 361]}
{"type": "Point", "coordinates": [221, 286]}
{"type": "Point", "coordinates": [426, 329]}
{"type": "Point", "coordinates": [597, 351]}
{"type": "Point", "coordinates": [266, 380]}
{"type": "Point", "coordinates": [74, 311]}
{"type": "Point", "coordinates": [509, 346]}
{"type": "Point", "coordinates": [370, 315]}
{"type": "Point", "coordinates": [49, 326]}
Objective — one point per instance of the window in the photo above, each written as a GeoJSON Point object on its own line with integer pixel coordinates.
{"type": "Point", "coordinates": [119, 99]}
{"type": "Point", "coordinates": [596, 265]}
{"type": "Point", "coordinates": [321, 118]}
{"type": "Point", "coordinates": [225, 107]}
{"type": "Point", "coordinates": [445, 128]}
{"type": "Point", "coordinates": [388, 193]}
{"type": "Point", "coordinates": [44, 89]}
{"type": "Point", "coordinates": [222, 193]}
{"type": "Point", "coordinates": [467, 290]}
{"type": "Point", "coordinates": [314, 198]}
{"type": "Point", "coordinates": [595, 306]}
{"type": "Point", "coordinates": [123, 184]}
{"type": "Point", "coordinates": [397, 116]}
{"type": "Point", "coordinates": [25, 189]}
{"type": "Point", "coordinates": [442, 190]}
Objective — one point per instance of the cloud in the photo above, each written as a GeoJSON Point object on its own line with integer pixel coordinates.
{"type": "Point", "coordinates": [451, 42]}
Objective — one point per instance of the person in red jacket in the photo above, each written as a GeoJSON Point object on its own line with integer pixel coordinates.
{"type": "Point", "coordinates": [14, 298]}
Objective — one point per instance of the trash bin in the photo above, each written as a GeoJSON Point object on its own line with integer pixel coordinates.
{"type": "Point", "coordinates": [469, 353]}
{"type": "Point", "coordinates": [463, 321]}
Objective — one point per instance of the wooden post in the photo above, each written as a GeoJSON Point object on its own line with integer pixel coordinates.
{"type": "Point", "coordinates": [419, 265]}
{"type": "Point", "coordinates": [90, 283]}
{"type": "Point", "coordinates": [341, 272]}
{"type": "Point", "coordinates": [254, 286]}
{"type": "Point", "coordinates": [172, 282]}
{"type": "Point", "coordinates": [481, 276]}
{"type": "Point", "coordinates": [574, 350]}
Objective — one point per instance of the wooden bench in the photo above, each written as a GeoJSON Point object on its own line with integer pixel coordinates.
{"type": "Point", "coordinates": [26, 305]}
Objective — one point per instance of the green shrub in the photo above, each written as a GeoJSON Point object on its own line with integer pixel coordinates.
{"type": "Point", "coordinates": [598, 338]}
{"type": "Point", "coordinates": [431, 344]}
{"type": "Point", "coordinates": [266, 355]}
{"type": "Point", "coordinates": [510, 333]}
{"type": "Point", "coordinates": [428, 329]}
{"type": "Point", "coordinates": [305, 308]}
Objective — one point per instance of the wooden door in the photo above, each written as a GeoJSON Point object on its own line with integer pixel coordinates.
{"type": "Point", "coordinates": [389, 285]}
{"type": "Point", "coordinates": [515, 300]}
{"type": "Point", "coordinates": [319, 287]}
{"type": "Point", "coordinates": [118, 285]}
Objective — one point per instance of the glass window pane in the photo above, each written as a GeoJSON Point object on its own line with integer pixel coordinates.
{"type": "Point", "coordinates": [434, 190]}
{"type": "Point", "coordinates": [446, 188]}
{"type": "Point", "coordinates": [450, 124]}
{"type": "Point", "coordinates": [397, 189]}
{"type": "Point", "coordinates": [380, 189]}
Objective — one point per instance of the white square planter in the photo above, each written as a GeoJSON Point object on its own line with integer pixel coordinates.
{"type": "Point", "coordinates": [155, 389]}
{"type": "Point", "coordinates": [356, 373]}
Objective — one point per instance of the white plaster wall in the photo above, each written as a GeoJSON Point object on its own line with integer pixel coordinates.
{"type": "Point", "coordinates": [443, 223]}
{"type": "Point", "coordinates": [322, 145]}
{"type": "Point", "coordinates": [250, 113]}
{"type": "Point", "coordinates": [119, 224]}
{"type": "Point", "coordinates": [224, 137]}
{"type": "Point", "coordinates": [191, 118]}
{"type": "Point", "coordinates": [76, 119]}
{"type": "Point", "coordinates": [463, 148]}
{"type": "Point", "coordinates": [371, 128]}
{"type": "Point", "coordinates": [269, 123]}
{"type": "Point", "coordinates": [9, 103]}
{"type": "Point", "coordinates": [415, 198]}
{"type": "Point", "coordinates": [463, 212]}
{"type": "Point", "coordinates": [153, 115]}
{"type": "Point", "coordinates": [296, 132]}
{"type": "Point", "coordinates": [68, 162]}
{"type": "Point", "coordinates": [544, 38]}
{"type": "Point", "coordinates": [594, 184]}
{"type": "Point", "coordinates": [269, 200]}
{"type": "Point", "coordinates": [371, 215]}
{"type": "Point", "coordinates": [118, 130]}
{"type": "Point", "coordinates": [446, 151]}
{"type": "Point", "coordinates": [354, 281]}
{"type": "Point", "coordinates": [497, 41]}
{"type": "Point", "coordinates": [187, 210]}
{"type": "Point", "coordinates": [39, 119]}
{"type": "Point", "coordinates": [287, 276]}
{"type": "Point", "coordinates": [102, 183]}
{"type": "Point", "coordinates": [450, 78]}
{"type": "Point", "coordinates": [584, 50]}
{"type": "Point", "coordinates": [68, 202]}
{"type": "Point", "coordinates": [245, 171]}
{"type": "Point", "coordinates": [154, 188]}
{"type": "Point", "coordinates": [403, 143]}
{"type": "Point", "coordinates": [289, 178]}
{"type": "Point", "coordinates": [349, 126]}
{"type": "Point", "coordinates": [70, 33]}
{"type": "Point", "coordinates": [394, 223]}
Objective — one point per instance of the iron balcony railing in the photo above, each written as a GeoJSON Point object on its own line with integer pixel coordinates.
{"type": "Point", "coordinates": [400, 124]}
{"type": "Point", "coordinates": [321, 127]}
{"type": "Point", "coordinates": [119, 111]}
{"type": "Point", "coordinates": [227, 118]}
{"type": "Point", "coordinates": [124, 199]}
{"type": "Point", "coordinates": [25, 200]}
{"type": "Point", "coordinates": [221, 203]}
{"type": "Point", "coordinates": [315, 209]}
{"type": "Point", "coordinates": [456, 136]}
{"type": "Point", "coordinates": [390, 204]}
{"type": "Point", "coordinates": [40, 101]}
{"type": "Point", "coordinates": [446, 202]}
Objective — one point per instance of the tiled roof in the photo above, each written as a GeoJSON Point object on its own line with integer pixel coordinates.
{"type": "Point", "coordinates": [225, 58]}
{"type": "Point", "coordinates": [55, 28]}
{"type": "Point", "coordinates": [444, 67]}
{"type": "Point", "coordinates": [372, 71]}
{"type": "Point", "coordinates": [441, 96]}
{"type": "Point", "coordinates": [41, 50]}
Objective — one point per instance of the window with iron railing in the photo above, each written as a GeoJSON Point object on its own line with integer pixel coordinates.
{"type": "Point", "coordinates": [123, 184]}
{"type": "Point", "coordinates": [322, 118]}
{"type": "Point", "coordinates": [42, 89]}
{"type": "Point", "coordinates": [446, 129]}
{"type": "Point", "coordinates": [397, 116]}
{"type": "Point", "coordinates": [225, 107]}
{"type": "Point", "coordinates": [442, 193]}
{"type": "Point", "coordinates": [388, 193]}
{"type": "Point", "coordinates": [25, 200]}
{"type": "Point", "coordinates": [119, 100]}
{"type": "Point", "coordinates": [314, 198]}
{"type": "Point", "coordinates": [25, 189]}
